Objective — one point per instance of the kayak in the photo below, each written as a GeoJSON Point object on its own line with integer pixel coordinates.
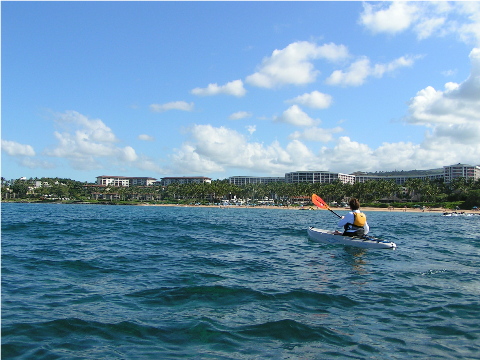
{"type": "Point", "coordinates": [368, 242]}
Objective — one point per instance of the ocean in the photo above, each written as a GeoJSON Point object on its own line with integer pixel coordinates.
{"type": "Point", "coordinates": [146, 282]}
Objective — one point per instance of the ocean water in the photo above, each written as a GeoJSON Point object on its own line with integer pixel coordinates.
{"type": "Point", "coordinates": [131, 282]}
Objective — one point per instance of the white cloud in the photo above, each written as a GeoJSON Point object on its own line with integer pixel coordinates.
{"type": "Point", "coordinates": [457, 104]}
{"type": "Point", "coordinates": [188, 160]}
{"type": "Point", "coordinates": [470, 32]}
{"type": "Point", "coordinates": [93, 129]}
{"type": "Point", "coordinates": [240, 115]}
{"type": "Point", "coordinates": [451, 116]}
{"type": "Point", "coordinates": [214, 149]}
{"type": "Point", "coordinates": [128, 154]}
{"type": "Point", "coordinates": [427, 27]}
{"type": "Point", "coordinates": [295, 116]}
{"type": "Point", "coordinates": [174, 105]}
{"type": "Point", "coordinates": [251, 129]}
{"type": "Point", "coordinates": [360, 70]}
{"type": "Point", "coordinates": [354, 76]}
{"type": "Point", "coordinates": [395, 18]}
{"type": "Point", "coordinates": [425, 19]}
{"type": "Point", "coordinates": [316, 134]}
{"type": "Point", "coordinates": [234, 88]}
{"type": "Point", "coordinates": [145, 137]}
{"type": "Point", "coordinates": [292, 65]}
{"type": "Point", "coordinates": [315, 99]}
{"type": "Point", "coordinates": [84, 142]}
{"type": "Point", "coordinates": [14, 148]}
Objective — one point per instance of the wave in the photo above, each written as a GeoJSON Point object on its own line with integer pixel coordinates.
{"type": "Point", "coordinates": [218, 295]}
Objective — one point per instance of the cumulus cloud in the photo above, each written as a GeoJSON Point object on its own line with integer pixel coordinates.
{"type": "Point", "coordinates": [295, 116]}
{"type": "Point", "coordinates": [234, 88]}
{"type": "Point", "coordinates": [214, 149]}
{"type": "Point", "coordinates": [315, 99]}
{"type": "Point", "coordinates": [457, 104]}
{"type": "Point", "coordinates": [394, 18]}
{"type": "Point", "coordinates": [360, 70]}
{"type": "Point", "coordinates": [293, 64]}
{"type": "Point", "coordinates": [174, 105]}
{"type": "Point", "coordinates": [24, 155]}
{"type": "Point", "coordinates": [85, 141]}
{"type": "Point", "coordinates": [425, 19]}
{"type": "Point", "coordinates": [470, 32]}
{"type": "Point", "coordinates": [93, 129]}
{"type": "Point", "coordinates": [145, 137]}
{"type": "Point", "coordinates": [128, 154]}
{"type": "Point", "coordinates": [14, 148]}
{"type": "Point", "coordinates": [451, 117]}
{"type": "Point", "coordinates": [240, 115]}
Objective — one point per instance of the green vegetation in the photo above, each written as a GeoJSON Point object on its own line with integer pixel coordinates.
{"type": "Point", "coordinates": [461, 193]}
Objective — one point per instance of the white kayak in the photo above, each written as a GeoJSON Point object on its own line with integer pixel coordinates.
{"type": "Point", "coordinates": [369, 242]}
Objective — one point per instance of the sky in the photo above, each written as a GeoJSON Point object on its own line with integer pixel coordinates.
{"type": "Point", "coordinates": [220, 89]}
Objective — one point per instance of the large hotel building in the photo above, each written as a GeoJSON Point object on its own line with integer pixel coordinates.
{"type": "Point", "coordinates": [448, 173]}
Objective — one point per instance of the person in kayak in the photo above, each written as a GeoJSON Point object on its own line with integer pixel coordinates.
{"type": "Point", "coordinates": [355, 222]}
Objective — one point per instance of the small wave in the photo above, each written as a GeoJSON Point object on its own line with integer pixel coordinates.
{"type": "Point", "coordinates": [218, 294]}
{"type": "Point", "coordinates": [291, 330]}
{"type": "Point", "coordinates": [450, 331]}
{"type": "Point", "coordinates": [310, 298]}
{"type": "Point", "coordinates": [224, 295]}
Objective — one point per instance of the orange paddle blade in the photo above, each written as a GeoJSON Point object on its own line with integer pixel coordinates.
{"type": "Point", "coordinates": [317, 200]}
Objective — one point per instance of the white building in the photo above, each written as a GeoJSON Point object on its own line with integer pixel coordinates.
{"type": "Point", "coordinates": [318, 177]}
{"type": "Point", "coordinates": [461, 171]}
{"type": "Point", "coordinates": [124, 181]}
{"type": "Point", "coordinates": [398, 179]}
{"type": "Point", "coordinates": [141, 181]}
{"type": "Point", "coordinates": [244, 180]}
{"type": "Point", "coordinates": [185, 180]}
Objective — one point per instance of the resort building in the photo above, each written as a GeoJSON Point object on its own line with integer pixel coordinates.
{"type": "Point", "coordinates": [113, 181]}
{"type": "Point", "coordinates": [142, 181]}
{"type": "Point", "coordinates": [318, 177]}
{"type": "Point", "coordinates": [448, 173]}
{"type": "Point", "coordinates": [461, 171]}
{"type": "Point", "coordinates": [399, 179]}
{"type": "Point", "coordinates": [185, 180]}
{"type": "Point", "coordinates": [244, 180]}
{"type": "Point", "coordinates": [124, 181]}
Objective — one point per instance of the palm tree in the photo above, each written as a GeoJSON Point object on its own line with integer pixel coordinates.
{"type": "Point", "coordinates": [413, 187]}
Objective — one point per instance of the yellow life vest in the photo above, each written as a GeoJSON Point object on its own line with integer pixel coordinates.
{"type": "Point", "coordinates": [359, 219]}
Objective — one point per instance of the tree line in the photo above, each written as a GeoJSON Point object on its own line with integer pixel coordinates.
{"type": "Point", "coordinates": [465, 193]}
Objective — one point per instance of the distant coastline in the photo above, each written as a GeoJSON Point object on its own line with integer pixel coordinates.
{"type": "Point", "coordinates": [304, 208]}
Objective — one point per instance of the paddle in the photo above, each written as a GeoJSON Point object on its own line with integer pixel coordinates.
{"type": "Point", "coordinates": [317, 200]}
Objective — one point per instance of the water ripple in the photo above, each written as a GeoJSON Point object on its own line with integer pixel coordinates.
{"type": "Point", "coordinates": [123, 282]}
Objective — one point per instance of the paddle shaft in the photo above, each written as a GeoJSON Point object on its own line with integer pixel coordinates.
{"type": "Point", "coordinates": [334, 213]}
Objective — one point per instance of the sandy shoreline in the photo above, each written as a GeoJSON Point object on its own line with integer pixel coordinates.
{"type": "Point", "coordinates": [341, 211]}
{"type": "Point", "coordinates": [313, 208]}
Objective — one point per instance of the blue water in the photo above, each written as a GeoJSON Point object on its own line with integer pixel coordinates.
{"type": "Point", "coordinates": [131, 282]}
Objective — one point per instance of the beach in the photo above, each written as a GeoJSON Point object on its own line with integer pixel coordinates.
{"type": "Point", "coordinates": [313, 208]}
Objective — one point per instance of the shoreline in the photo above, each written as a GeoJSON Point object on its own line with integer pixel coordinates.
{"type": "Point", "coordinates": [312, 208]}
{"type": "Point", "coordinates": [305, 208]}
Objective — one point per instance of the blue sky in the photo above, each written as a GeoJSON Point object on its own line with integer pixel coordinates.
{"type": "Point", "coordinates": [220, 89]}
